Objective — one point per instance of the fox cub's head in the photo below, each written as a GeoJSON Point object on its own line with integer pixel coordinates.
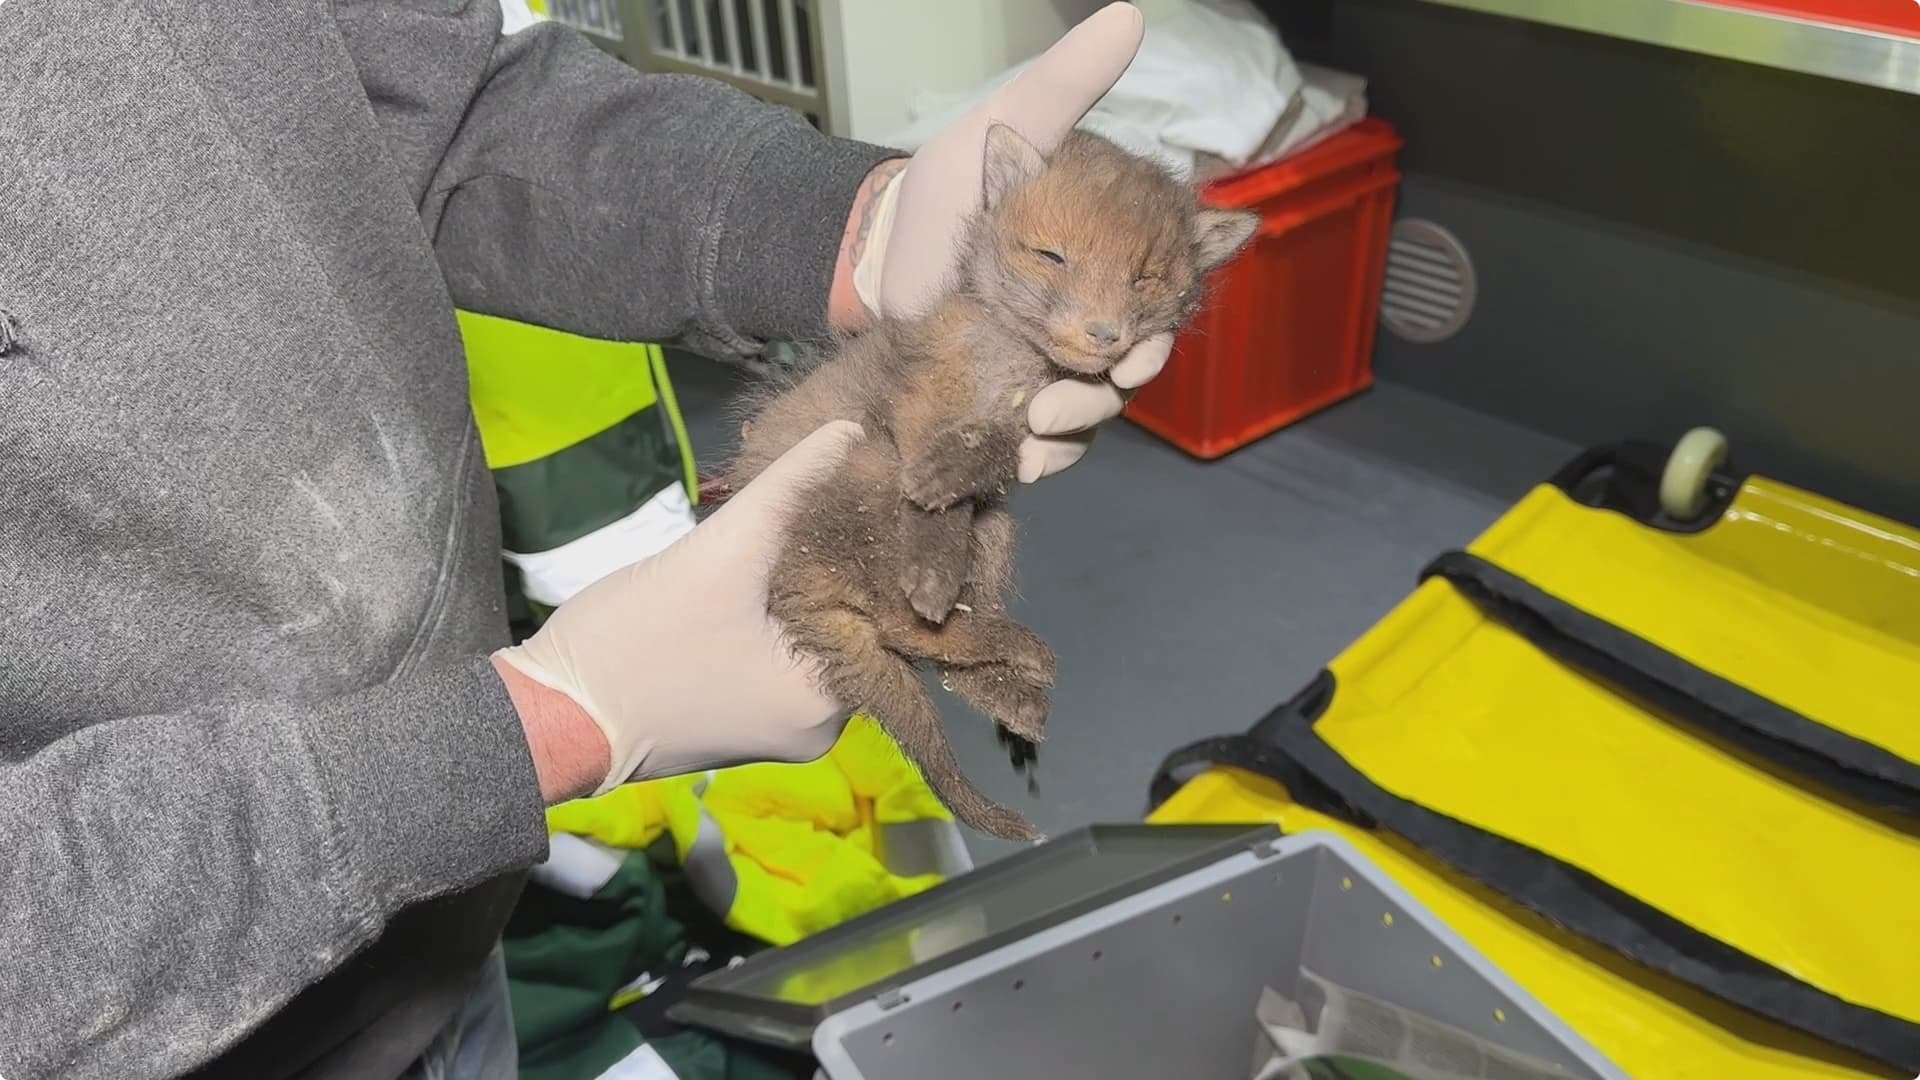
{"type": "Point", "coordinates": [1090, 249]}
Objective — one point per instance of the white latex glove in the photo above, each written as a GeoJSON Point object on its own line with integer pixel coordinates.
{"type": "Point", "coordinates": [675, 658]}
{"type": "Point", "coordinates": [919, 216]}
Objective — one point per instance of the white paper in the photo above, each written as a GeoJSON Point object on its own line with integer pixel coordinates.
{"type": "Point", "coordinates": [1333, 1020]}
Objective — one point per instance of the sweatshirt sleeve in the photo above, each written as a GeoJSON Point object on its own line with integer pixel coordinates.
{"type": "Point", "coordinates": [563, 188]}
{"type": "Point", "coordinates": [179, 878]}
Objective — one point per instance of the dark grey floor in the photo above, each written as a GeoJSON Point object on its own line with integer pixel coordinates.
{"type": "Point", "coordinates": [1187, 598]}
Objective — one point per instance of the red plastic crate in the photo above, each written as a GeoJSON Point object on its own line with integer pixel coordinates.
{"type": "Point", "coordinates": [1289, 327]}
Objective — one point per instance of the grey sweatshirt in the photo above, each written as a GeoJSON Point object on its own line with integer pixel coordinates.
{"type": "Point", "coordinates": [263, 804]}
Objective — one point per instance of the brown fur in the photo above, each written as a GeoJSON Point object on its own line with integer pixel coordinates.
{"type": "Point", "coordinates": [906, 554]}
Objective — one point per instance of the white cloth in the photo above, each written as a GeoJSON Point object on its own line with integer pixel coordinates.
{"type": "Point", "coordinates": [1330, 101]}
{"type": "Point", "coordinates": [1212, 84]}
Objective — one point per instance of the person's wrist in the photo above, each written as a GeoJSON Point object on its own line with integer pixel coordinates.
{"type": "Point", "coordinates": [845, 309]}
{"type": "Point", "coordinates": [570, 754]}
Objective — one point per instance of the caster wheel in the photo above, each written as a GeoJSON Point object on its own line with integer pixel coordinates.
{"type": "Point", "coordinates": [1683, 484]}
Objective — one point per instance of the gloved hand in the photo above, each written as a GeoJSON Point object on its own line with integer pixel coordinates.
{"type": "Point", "coordinates": [911, 245]}
{"type": "Point", "coordinates": [675, 659]}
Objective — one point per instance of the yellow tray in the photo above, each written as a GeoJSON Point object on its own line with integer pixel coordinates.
{"type": "Point", "coordinates": [1651, 1026]}
{"type": "Point", "coordinates": [1807, 603]}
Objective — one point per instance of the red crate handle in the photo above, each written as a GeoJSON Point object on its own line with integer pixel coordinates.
{"type": "Point", "coordinates": [1280, 224]}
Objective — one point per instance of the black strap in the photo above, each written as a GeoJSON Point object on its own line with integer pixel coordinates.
{"type": "Point", "coordinates": [1258, 752]}
{"type": "Point", "coordinates": [1673, 686]}
{"type": "Point", "coordinates": [1584, 904]}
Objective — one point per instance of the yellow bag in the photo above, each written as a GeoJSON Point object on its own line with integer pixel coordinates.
{"type": "Point", "coordinates": [1642, 734]}
{"type": "Point", "coordinates": [1652, 1026]}
{"type": "Point", "coordinates": [1809, 604]}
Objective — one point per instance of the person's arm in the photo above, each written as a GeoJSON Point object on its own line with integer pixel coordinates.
{"type": "Point", "coordinates": [565, 189]}
{"type": "Point", "coordinates": [570, 754]}
{"type": "Point", "coordinates": [170, 881]}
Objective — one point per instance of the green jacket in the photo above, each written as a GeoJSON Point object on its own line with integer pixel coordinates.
{"type": "Point", "coordinates": [588, 451]}
{"type": "Point", "coordinates": [594, 946]}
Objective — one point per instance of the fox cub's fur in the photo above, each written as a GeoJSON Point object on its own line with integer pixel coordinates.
{"type": "Point", "coordinates": [906, 554]}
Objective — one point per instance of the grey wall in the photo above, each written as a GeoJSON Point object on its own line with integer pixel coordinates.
{"type": "Point", "coordinates": [1663, 239]}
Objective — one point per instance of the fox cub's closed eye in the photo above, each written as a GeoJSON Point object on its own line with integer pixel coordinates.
{"type": "Point", "coordinates": [1053, 257]}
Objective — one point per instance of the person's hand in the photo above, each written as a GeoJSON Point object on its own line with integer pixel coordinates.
{"type": "Point", "coordinates": [674, 660]}
{"type": "Point", "coordinates": [904, 237]}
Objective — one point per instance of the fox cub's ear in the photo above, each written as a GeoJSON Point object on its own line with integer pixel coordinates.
{"type": "Point", "coordinates": [1220, 234]}
{"type": "Point", "coordinates": [1010, 162]}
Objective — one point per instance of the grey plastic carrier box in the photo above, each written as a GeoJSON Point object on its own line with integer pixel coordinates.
{"type": "Point", "coordinates": [1118, 952]}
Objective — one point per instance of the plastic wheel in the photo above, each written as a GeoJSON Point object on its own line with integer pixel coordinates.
{"type": "Point", "coordinates": [1683, 484]}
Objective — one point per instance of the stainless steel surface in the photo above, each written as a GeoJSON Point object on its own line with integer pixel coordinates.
{"type": "Point", "coordinates": [1839, 52]}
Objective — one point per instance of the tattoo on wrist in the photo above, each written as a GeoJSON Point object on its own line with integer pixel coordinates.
{"type": "Point", "coordinates": [868, 197]}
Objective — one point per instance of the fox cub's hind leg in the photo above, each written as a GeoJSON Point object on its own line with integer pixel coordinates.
{"type": "Point", "coordinates": [1003, 694]}
{"type": "Point", "coordinates": [857, 668]}
{"type": "Point", "coordinates": [1012, 688]}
